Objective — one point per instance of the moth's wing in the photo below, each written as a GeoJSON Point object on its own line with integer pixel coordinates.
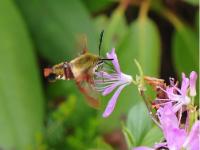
{"type": "Point", "coordinates": [81, 43]}
{"type": "Point", "coordinates": [91, 95]}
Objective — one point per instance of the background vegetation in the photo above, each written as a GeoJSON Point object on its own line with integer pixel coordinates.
{"type": "Point", "coordinates": [36, 115]}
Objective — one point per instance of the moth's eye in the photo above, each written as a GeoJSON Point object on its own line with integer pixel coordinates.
{"type": "Point", "coordinates": [52, 77]}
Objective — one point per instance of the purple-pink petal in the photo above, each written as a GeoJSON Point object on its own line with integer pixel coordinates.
{"type": "Point", "coordinates": [110, 88]}
{"type": "Point", "coordinates": [184, 85]}
{"type": "Point", "coordinates": [192, 141]}
{"type": "Point", "coordinates": [170, 92]}
{"type": "Point", "coordinates": [194, 145]}
{"type": "Point", "coordinates": [112, 55]}
{"type": "Point", "coordinates": [103, 74]}
{"type": "Point", "coordinates": [193, 79]}
{"type": "Point", "coordinates": [142, 148]}
{"type": "Point", "coordinates": [175, 137]}
{"type": "Point", "coordinates": [167, 116]}
{"type": "Point", "coordinates": [111, 104]}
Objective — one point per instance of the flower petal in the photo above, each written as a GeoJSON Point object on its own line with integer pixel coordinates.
{"type": "Point", "coordinates": [111, 104]}
{"type": "Point", "coordinates": [110, 88]}
{"type": "Point", "coordinates": [192, 142]}
{"type": "Point", "coordinates": [170, 126]}
{"type": "Point", "coordinates": [193, 79]}
{"type": "Point", "coordinates": [142, 148]}
{"type": "Point", "coordinates": [170, 93]}
{"type": "Point", "coordinates": [175, 138]}
{"type": "Point", "coordinates": [184, 85]}
{"type": "Point", "coordinates": [112, 55]}
{"type": "Point", "coordinates": [167, 116]}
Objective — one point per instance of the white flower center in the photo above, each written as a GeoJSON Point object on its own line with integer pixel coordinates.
{"type": "Point", "coordinates": [126, 78]}
{"type": "Point", "coordinates": [186, 100]}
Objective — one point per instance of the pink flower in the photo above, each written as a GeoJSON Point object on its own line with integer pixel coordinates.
{"type": "Point", "coordinates": [142, 148]}
{"type": "Point", "coordinates": [193, 79]}
{"type": "Point", "coordinates": [106, 82]}
{"type": "Point", "coordinates": [180, 97]}
{"type": "Point", "coordinates": [192, 141]}
{"type": "Point", "coordinates": [176, 137]}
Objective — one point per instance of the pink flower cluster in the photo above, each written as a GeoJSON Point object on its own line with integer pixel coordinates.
{"type": "Point", "coordinates": [170, 115]}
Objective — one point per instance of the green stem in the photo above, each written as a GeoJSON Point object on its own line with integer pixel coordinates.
{"type": "Point", "coordinates": [139, 67]}
{"type": "Point", "coordinates": [144, 9]}
{"type": "Point", "coordinates": [141, 90]}
{"type": "Point", "coordinates": [172, 18]}
{"type": "Point", "coordinates": [192, 100]}
{"type": "Point", "coordinates": [153, 117]}
{"type": "Point", "coordinates": [167, 13]}
{"type": "Point", "coordinates": [134, 82]}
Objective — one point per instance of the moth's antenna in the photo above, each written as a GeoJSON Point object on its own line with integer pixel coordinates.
{"type": "Point", "coordinates": [100, 41]}
{"type": "Point", "coordinates": [106, 59]}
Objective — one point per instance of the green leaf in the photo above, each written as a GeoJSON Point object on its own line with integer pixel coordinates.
{"type": "Point", "coordinates": [128, 136]}
{"type": "Point", "coordinates": [192, 2]}
{"type": "Point", "coordinates": [141, 43]}
{"type": "Point", "coordinates": [139, 122]}
{"type": "Point", "coordinates": [152, 136]}
{"type": "Point", "coordinates": [116, 29]}
{"type": "Point", "coordinates": [56, 27]}
{"type": "Point", "coordinates": [21, 99]}
{"type": "Point", "coordinates": [185, 50]}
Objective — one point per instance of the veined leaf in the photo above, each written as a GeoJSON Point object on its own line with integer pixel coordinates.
{"type": "Point", "coordinates": [21, 99]}
{"type": "Point", "coordinates": [154, 135]}
{"type": "Point", "coordinates": [139, 122]}
{"type": "Point", "coordinates": [128, 136]}
{"type": "Point", "coordinates": [185, 50]}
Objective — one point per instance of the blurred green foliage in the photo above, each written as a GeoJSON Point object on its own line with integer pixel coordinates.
{"type": "Point", "coordinates": [36, 115]}
{"type": "Point", "coordinates": [21, 94]}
